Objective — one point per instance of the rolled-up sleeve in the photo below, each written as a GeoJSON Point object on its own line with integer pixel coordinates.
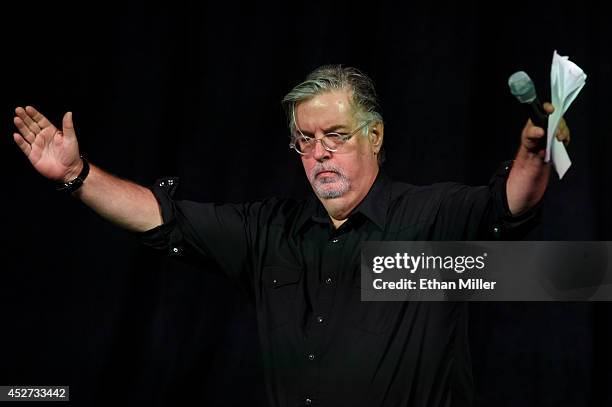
{"type": "Point", "coordinates": [162, 237]}
{"type": "Point", "coordinates": [482, 213]}
{"type": "Point", "coordinates": [504, 225]}
{"type": "Point", "coordinates": [220, 232]}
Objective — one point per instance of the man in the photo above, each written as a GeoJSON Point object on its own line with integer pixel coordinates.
{"type": "Point", "coordinates": [299, 260]}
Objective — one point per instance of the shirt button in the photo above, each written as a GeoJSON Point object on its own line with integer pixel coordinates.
{"type": "Point", "coordinates": [308, 401]}
{"type": "Point", "coordinates": [320, 319]}
{"type": "Point", "coordinates": [311, 357]}
{"type": "Point", "coordinates": [328, 280]}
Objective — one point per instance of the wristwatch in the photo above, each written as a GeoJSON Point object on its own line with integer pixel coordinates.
{"type": "Point", "coordinates": [71, 186]}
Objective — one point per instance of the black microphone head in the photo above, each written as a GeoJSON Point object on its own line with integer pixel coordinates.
{"type": "Point", "coordinates": [522, 87]}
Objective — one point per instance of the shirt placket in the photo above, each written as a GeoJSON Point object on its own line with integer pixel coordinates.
{"type": "Point", "coordinates": [331, 262]}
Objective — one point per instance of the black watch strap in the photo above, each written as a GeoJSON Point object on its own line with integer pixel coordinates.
{"type": "Point", "coordinates": [71, 186]}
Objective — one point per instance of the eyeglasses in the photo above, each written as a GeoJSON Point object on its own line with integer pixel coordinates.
{"type": "Point", "coordinates": [332, 141]}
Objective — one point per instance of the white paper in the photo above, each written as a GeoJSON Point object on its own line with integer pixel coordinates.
{"type": "Point", "coordinates": [566, 81]}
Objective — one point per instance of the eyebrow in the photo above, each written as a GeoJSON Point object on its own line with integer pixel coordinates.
{"type": "Point", "coordinates": [330, 129]}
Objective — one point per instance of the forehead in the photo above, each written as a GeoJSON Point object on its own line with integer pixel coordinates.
{"type": "Point", "coordinates": [325, 110]}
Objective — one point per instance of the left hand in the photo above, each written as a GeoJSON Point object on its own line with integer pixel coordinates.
{"type": "Point", "coordinates": [533, 138]}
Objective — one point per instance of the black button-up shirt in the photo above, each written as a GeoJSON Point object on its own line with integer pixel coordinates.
{"type": "Point", "coordinates": [321, 344]}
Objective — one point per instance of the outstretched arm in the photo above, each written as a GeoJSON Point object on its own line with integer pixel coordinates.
{"type": "Point", "coordinates": [528, 178]}
{"type": "Point", "coordinates": [55, 154]}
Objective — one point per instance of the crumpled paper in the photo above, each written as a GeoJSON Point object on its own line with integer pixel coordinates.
{"type": "Point", "coordinates": [566, 80]}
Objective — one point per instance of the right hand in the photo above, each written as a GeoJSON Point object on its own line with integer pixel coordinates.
{"type": "Point", "coordinates": [54, 153]}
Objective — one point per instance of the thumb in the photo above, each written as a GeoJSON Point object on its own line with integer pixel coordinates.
{"type": "Point", "coordinates": [548, 107]}
{"type": "Point", "coordinates": [68, 126]}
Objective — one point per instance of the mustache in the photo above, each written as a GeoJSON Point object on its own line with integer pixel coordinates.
{"type": "Point", "coordinates": [324, 167]}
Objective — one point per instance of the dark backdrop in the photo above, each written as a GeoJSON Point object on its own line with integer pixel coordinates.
{"type": "Point", "coordinates": [193, 89]}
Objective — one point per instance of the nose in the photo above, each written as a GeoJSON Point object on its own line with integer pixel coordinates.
{"type": "Point", "coordinates": [319, 152]}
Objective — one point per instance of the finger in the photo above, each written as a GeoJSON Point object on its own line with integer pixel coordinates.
{"type": "Point", "coordinates": [41, 120]}
{"type": "Point", "coordinates": [22, 143]}
{"type": "Point", "coordinates": [548, 107]}
{"type": "Point", "coordinates": [32, 125]}
{"type": "Point", "coordinates": [563, 136]}
{"type": "Point", "coordinates": [531, 125]}
{"type": "Point", "coordinates": [68, 126]}
{"type": "Point", "coordinates": [27, 134]}
{"type": "Point", "coordinates": [534, 132]}
{"type": "Point", "coordinates": [563, 132]}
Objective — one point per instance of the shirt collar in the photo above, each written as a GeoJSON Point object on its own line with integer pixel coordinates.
{"type": "Point", "coordinates": [373, 206]}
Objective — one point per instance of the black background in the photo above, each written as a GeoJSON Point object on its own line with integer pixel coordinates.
{"type": "Point", "coordinates": [193, 90]}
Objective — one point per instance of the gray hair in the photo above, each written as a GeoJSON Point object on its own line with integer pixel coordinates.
{"type": "Point", "coordinates": [327, 78]}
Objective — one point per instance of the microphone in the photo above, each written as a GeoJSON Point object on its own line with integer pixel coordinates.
{"type": "Point", "coordinates": [522, 87]}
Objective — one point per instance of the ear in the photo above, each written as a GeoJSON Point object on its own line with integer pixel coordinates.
{"type": "Point", "coordinates": [375, 135]}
